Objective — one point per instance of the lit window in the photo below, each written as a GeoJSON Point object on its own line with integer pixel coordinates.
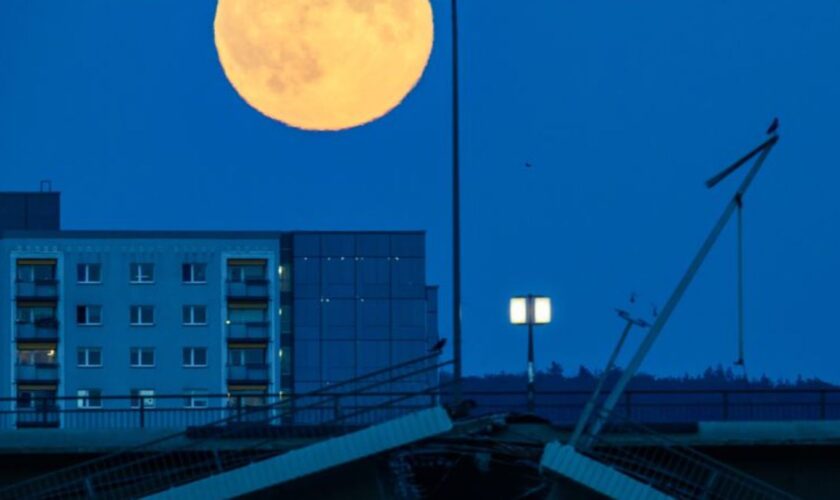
{"type": "Point", "coordinates": [36, 356]}
{"type": "Point", "coordinates": [144, 396]}
{"type": "Point", "coordinates": [89, 315]}
{"type": "Point", "coordinates": [194, 273]}
{"type": "Point", "coordinates": [142, 315]}
{"type": "Point", "coordinates": [194, 315]}
{"type": "Point", "coordinates": [88, 357]}
{"type": "Point", "coordinates": [195, 356]}
{"type": "Point", "coordinates": [142, 357]}
{"type": "Point", "coordinates": [89, 398]}
{"type": "Point", "coordinates": [89, 273]}
{"type": "Point", "coordinates": [142, 272]}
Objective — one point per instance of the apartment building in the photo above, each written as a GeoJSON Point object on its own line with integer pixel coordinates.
{"type": "Point", "coordinates": [94, 314]}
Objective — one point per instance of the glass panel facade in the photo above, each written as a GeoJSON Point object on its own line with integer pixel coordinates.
{"type": "Point", "coordinates": [360, 304]}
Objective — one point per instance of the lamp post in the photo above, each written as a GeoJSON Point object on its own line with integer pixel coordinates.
{"type": "Point", "coordinates": [530, 310]}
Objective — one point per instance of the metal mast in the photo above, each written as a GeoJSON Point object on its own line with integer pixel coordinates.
{"type": "Point", "coordinates": [456, 214]}
{"type": "Point", "coordinates": [762, 150]}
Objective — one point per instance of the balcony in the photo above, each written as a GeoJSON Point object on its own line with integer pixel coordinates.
{"type": "Point", "coordinates": [39, 415]}
{"type": "Point", "coordinates": [37, 290]}
{"type": "Point", "coordinates": [250, 289]}
{"type": "Point", "coordinates": [39, 373]}
{"type": "Point", "coordinates": [251, 331]}
{"type": "Point", "coordinates": [247, 374]}
{"type": "Point", "coordinates": [45, 330]}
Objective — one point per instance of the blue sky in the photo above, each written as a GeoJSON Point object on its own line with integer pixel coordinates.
{"type": "Point", "coordinates": [624, 108]}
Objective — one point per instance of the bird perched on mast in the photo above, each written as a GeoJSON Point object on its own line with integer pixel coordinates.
{"type": "Point", "coordinates": [773, 126]}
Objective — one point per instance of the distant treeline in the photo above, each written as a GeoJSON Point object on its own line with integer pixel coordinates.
{"type": "Point", "coordinates": [556, 379]}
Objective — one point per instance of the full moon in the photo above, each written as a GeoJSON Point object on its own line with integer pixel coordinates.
{"type": "Point", "coordinates": [324, 64]}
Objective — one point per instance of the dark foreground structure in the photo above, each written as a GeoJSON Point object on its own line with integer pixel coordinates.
{"type": "Point", "coordinates": [405, 445]}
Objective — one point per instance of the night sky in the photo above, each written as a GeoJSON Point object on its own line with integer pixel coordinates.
{"type": "Point", "coordinates": [623, 108]}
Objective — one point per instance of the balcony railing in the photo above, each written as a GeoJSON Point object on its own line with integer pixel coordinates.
{"type": "Point", "coordinates": [252, 330]}
{"type": "Point", "coordinates": [243, 374]}
{"type": "Point", "coordinates": [40, 413]}
{"type": "Point", "coordinates": [39, 372]}
{"type": "Point", "coordinates": [41, 330]}
{"type": "Point", "coordinates": [249, 289]}
{"type": "Point", "coordinates": [36, 290]}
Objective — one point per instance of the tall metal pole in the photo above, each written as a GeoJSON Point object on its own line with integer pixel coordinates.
{"type": "Point", "coordinates": [740, 361]}
{"type": "Point", "coordinates": [456, 215]}
{"type": "Point", "coordinates": [531, 403]}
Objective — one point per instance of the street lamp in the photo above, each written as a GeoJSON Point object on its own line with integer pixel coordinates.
{"type": "Point", "coordinates": [530, 310]}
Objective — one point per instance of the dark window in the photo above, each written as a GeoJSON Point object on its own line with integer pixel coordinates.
{"type": "Point", "coordinates": [194, 315]}
{"type": "Point", "coordinates": [89, 273]}
{"type": "Point", "coordinates": [142, 315]}
{"type": "Point", "coordinates": [194, 273]}
{"type": "Point", "coordinates": [24, 400]}
{"type": "Point", "coordinates": [246, 357]}
{"type": "Point", "coordinates": [142, 356]}
{"type": "Point", "coordinates": [89, 356]}
{"type": "Point", "coordinates": [89, 315]}
{"type": "Point", "coordinates": [195, 356]}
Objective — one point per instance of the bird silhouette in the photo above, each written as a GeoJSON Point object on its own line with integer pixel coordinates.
{"type": "Point", "coordinates": [438, 346]}
{"type": "Point", "coordinates": [633, 296]}
{"type": "Point", "coordinates": [773, 126]}
{"type": "Point", "coordinates": [528, 164]}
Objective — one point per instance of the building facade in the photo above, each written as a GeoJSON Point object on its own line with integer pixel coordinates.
{"type": "Point", "coordinates": [90, 315]}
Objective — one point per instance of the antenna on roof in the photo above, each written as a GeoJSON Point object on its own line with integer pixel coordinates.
{"type": "Point", "coordinates": [46, 186]}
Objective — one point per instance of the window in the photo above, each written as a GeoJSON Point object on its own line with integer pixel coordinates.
{"type": "Point", "coordinates": [89, 315]}
{"type": "Point", "coordinates": [195, 356]}
{"type": "Point", "coordinates": [40, 315]}
{"type": "Point", "coordinates": [194, 315]}
{"type": "Point", "coordinates": [246, 357]}
{"type": "Point", "coordinates": [24, 400]}
{"type": "Point", "coordinates": [89, 398]}
{"type": "Point", "coordinates": [33, 273]}
{"type": "Point", "coordinates": [142, 272]}
{"type": "Point", "coordinates": [36, 356]}
{"type": "Point", "coordinates": [195, 398]}
{"type": "Point", "coordinates": [89, 273]}
{"type": "Point", "coordinates": [142, 315]}
{"type": "Point", "coordinates": [240, 399]}
{"type": "Point", "coordinates": [36, 399]}
{"type": "Point", "coordinates": [89, 357]}
{"type": "Point", "coordinates": [246, 270]}
{"type": "Point", "coordinates": [247, 315]}
{"type": "Point", "coordinates": [194, 273]}
{"type": "Point", "coordinates": [142, 357]}
{"type": "Point", "coordinates": [146, 396]}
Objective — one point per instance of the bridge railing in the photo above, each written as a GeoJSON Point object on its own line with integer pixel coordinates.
{"type": "Point", "coordinates": [183, 457]}
{"type": "Point", "coordinates": [178, 411]}
{"type": "Point", "coordinates": [560, 407]}
{"type": "Point", "coordinates": [669, 466]}
{"type": "Point", "coordinates": [673, 406]}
